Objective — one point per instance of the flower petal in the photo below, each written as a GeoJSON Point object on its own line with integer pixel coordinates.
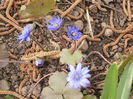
{"type": "Point", "coordinates": [78, 69]}
{"type": "Point", "coordinates": [84, 83]}
{"type": "Point", "coordinates": [85, 70]}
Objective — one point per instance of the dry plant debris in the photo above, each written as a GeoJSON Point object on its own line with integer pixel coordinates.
{"type": "Point", "coordinates": [29, 71]}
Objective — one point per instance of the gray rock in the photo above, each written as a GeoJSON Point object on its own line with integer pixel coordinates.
{"type": "Point", "coordinates": [37, 90]}
{"type": "Point", "coordinates": [108, 32]}
{"type": "Point", "coordinates": [25, 90]}
{"type": "Point", "coordinates": [103, 24]}
{"type": "Point", "coordinates": [79, 24]}
{"type": "Point", "coordinates": [4, 85]}
{"type": "Point", "coordinates": [83, 46]}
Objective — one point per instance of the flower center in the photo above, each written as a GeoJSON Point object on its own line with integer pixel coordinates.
{"type": "Point", "coordinates": [55, 25]}
{"type": "Point", "coordinates": [76, 76]}
{"type": "Point", "coordinates": [74, 34]}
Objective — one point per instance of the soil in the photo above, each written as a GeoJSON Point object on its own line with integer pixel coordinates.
{"type": "Point", "coordinates": [98, 66]}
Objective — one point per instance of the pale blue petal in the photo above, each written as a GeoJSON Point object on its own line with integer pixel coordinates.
{"type": "Point", "coordinates": [85, 70]}
{"type": "Point", "coordinates": [70, 85]}
{"type": "Point", "coordinates": [86, 76]}
{"type": "Point", "coordinates": [72, 69]}
{"type": "Point", "coordinates": [78, 69]}
{"type": "Point", "coordinates": [84, 83]}
{"type": "Point", "coordinates": [28, 38]}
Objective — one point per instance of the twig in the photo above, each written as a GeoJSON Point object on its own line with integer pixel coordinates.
{"type": "Point", "coordinates": [105, 47]}
{"type": "Point", "coordinates": [89, 23]}
{"type": "Point", "coordinates": [71, 7]}
{"type": "Point", "coordinates": [39, 82]}
{"type": "Point", "coordinates": [12, 93]}
{"type": "Point", "coordinates": [20, 62]}
{"type": "Point", "coordinates": [111, 19]}
{"type": "Point", "coordinates": [124, 8]}
{"type": "Point", "coordinates": [10, 22]}
{"type": "Point", "coordinates": [129, 9]}
{"type": "Point", "coordinates": [96, 52]}
{"type": "Point", "coordinates": [7, 11]}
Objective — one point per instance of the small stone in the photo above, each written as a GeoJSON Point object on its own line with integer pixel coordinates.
{"type": "Point", "coordinates": [108, 32]}
{"type": "Point", "coordinates": [4, 85]}
{"type": "Point", "coordinates": [14, 78]}
{"type": "Point", "coordinates": [79, 24]}
{"type": "Point", "coordinates": [120, 44]}
{"type": "Point", "coordinates": [103, 24]}
{"type": "Point", "coordinates": [117, 56]}
{"type": "Point", "coordinates": [119, 49]}
{"type": "Point", "coordinates": [25, 90]}
{"type": "Point", "coordinates": [83, 46]}
{"type": "Point", "coordinates": [76, 13]}
{"type": "Point", "coordinates": [37, 90]}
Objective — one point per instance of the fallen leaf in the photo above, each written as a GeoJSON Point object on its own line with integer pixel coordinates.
{"type": "Point", "coordinates": [37, 8]}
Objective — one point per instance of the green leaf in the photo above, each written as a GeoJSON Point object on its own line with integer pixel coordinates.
{"type": "Point", "coordinates": [37, 8]}
{"type": "Point", "coordinates": [110, 84]}
{"type": "Point", "coordinates": [70, 93]}
{"type": "Point", "coordinates": [125, 83]}
{"type": "Point", "coordinates": [58, 81]}
{"type": "Point", "coordinates": [89, 97]}
{"type": "Point", "coordinates": [68, 58]}
{"type": "Point", "coordinates": [8, 97]}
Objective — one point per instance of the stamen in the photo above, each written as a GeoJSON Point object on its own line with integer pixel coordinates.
{"type": "Point", "coordinates": [55, 25]}
{"type": "Point", "coordinates": [74, 34]}
{"type": "Point", "coordinates": [77, 76]}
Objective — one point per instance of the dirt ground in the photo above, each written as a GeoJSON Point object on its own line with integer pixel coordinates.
{"type": "Point", "coordinates": [102, 14]}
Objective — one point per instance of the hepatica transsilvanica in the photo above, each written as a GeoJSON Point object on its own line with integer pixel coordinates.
{"type": "Point", "coordinates": [54, 24]}
{"type": "Point", "coordinates": [25, 36]}
{"type": "Point", "coordinates": [78, 77]}
{"type": "Point", "coordinates": [39, 62]}
{"type": "Point", "coordinates": [73, 33]}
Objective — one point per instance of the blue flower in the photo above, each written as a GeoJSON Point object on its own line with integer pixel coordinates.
{"type": "Point", "coordinates": [55, 23]}
{"type": "Point", "coordinates": [73, 33]}
{"type": "Point", "coordinates": [77, 78]}
{"type": "Point", "coordinates": [39, 62]}
{"type": "Point", "coordinates": [26, 33]}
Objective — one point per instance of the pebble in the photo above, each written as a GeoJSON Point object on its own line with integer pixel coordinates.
{"type": "Point", "coordinates": [14, 78]}
{"type": "Point", "coordinates": [103, 24]}
{"type": "Point", "coordinates": [76, 13]}
{"type": "Point", "coordinates": [79, 24]}
{"type": "Point", "coordinates": [83, 46]}
{"type": "Point", "coordinates": [25, 90]}
{"type": "Point", "coordinates": [108, 33]}
{"type": "Point", "coordinates": [119, 49]}
{"type": "Point", "coordinates": [120, 44]}
{"type": "Point", "coordinates": [117, 56]}
{"type": "Point", "coordinates": [37, 90]}
{"type": "Point", "coordinates": [4, 85]}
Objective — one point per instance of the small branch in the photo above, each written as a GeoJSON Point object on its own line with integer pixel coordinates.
{"type": "Point", "coordinates": [89, 23]}
{"type": "Point", "coordinates": [39, 82]}
{"type": "Point", "coordinates": [96, 52]}
{"type": "Point", "coordinates": [71, 7]}
{"type": "Point", "coordinates": [20, 62]}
